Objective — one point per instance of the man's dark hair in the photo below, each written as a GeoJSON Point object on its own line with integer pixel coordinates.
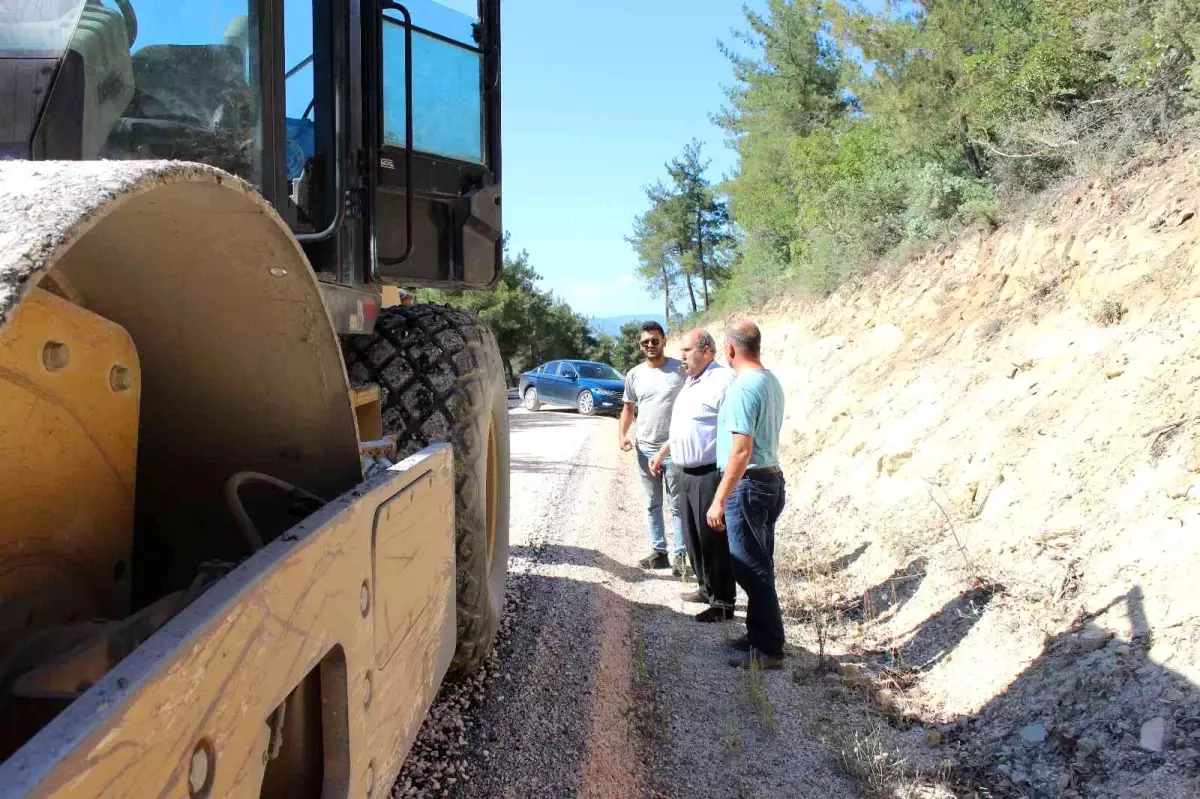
{"type": "Point", "coordinates": [745, 337]}
{"type": "Point", "coordinates": [653, 327]}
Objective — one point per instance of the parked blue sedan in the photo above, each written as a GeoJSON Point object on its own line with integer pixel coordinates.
{"type": "Point", "coordinates": [587, 386]}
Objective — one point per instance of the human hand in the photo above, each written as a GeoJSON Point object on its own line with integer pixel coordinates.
{"type": "Point", "coordinates": [716, 515]}
{"type": "Point", "coordinates": [656, 464]}
{"type": "Point", "coordinates": [626, 444]}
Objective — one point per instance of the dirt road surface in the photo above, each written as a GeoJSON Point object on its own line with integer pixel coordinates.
{"type": "Point", "coordinates": [604, 685]}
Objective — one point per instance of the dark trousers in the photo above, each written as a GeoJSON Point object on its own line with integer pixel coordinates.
{"type": "Point", "coordinates": [707, 548]}
{"type": "Point", "coordinates": [750, 516]}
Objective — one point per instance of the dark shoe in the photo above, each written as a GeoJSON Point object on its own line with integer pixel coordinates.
{"type": "Point", "coordinates": [694, 596]}
{"type": "Point", "coordinates": [715, 614]}
{"type": "Point", "coordinates": [680, 567]}
{"type": "Point", "coordinates": [741, 643]}
{"type": "Point", "coordinates": [754, 658]}
{"type": "Point", "coordinates": [657, 560]}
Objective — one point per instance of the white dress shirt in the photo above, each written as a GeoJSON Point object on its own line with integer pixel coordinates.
{"type": "Point", "coordinates": [693, 435]}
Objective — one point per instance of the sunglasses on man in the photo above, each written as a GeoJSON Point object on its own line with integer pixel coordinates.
{"type": "Point", "coordinates": [651, 342]}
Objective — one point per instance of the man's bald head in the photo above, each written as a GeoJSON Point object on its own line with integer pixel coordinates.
{"type": "Point", "coordinates": [745, 337]}
{"type": "Point", "coordinates": [697, 350]}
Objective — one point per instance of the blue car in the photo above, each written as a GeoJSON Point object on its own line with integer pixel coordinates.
{"type": "Point", "coordinates": [587, 386]}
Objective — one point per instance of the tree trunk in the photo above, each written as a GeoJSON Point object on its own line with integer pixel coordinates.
{"type": "Point", "coordinates": [969, 153]}
{"type": "Point", "coordinates": [666, 298]}
{"type": "Point", "coordinates": [700, 254]}
{"type": "Point", "coordinates": [691, 291]}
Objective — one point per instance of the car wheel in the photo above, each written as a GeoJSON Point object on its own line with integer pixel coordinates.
{"type": "Point", "coordinates": [586, 403]}
{"type": "Point", "coordinates": [532, 401]}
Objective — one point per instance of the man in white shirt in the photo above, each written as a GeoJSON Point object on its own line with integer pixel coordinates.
{"type": "Point", "coordinates": [692, 447]}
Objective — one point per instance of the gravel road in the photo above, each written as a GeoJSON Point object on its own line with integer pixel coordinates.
{"type": "Point", "coordinates": [603, 684]}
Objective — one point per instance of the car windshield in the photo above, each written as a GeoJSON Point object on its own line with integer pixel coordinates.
{"type": "Point", "coordinates": [597, 371]}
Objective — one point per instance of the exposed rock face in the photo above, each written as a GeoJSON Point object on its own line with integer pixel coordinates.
{"type": "Point", "coordinates": [1019, 412]}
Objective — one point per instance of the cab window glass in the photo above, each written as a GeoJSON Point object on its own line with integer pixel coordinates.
{"type": "Point", "coordinates": [446, 77]}
{"type": "Point", "coordinates": [165, 80]}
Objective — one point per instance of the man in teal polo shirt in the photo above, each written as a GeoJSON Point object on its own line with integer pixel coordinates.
{"type": "Point", "coordinates": [752, 492]}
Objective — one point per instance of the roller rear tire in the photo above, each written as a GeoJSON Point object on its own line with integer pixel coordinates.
{"type": "Point", "coordinates": [441, 378]}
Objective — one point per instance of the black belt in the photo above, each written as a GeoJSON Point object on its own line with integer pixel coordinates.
{"type": "Point", "coordinates": [696, 471]}
{"type": "Point", "coordinates": [762, 471]}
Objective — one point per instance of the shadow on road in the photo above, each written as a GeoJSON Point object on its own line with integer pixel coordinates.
{"type": "Point", "coordinates": [578, 556]}
{"type": "Point", "coordinates": [552, 417]}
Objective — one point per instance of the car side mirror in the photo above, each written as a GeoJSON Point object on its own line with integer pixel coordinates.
{"type": "Point", "coordinates": [572, 376]}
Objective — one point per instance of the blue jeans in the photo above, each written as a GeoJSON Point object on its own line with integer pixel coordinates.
{"type": "Point", "coordinates": [653, 486]}
{"type": "Point", "coordinates": [750, 516]}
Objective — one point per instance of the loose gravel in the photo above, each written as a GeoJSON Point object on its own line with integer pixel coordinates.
{"type": "Point", "coordinates": [602, 684]}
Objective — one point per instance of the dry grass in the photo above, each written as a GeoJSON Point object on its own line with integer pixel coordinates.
{"type": "Point", "coordinates": [1109, 312]}
{"type": "Point", "coordinates": [991, 329]}
{"type": "Point", "coordinates": [879, 773]}
{"type": "Point", "coordinates": [811, 590]}
{"type": "Point", "coordinates": [754, 691]}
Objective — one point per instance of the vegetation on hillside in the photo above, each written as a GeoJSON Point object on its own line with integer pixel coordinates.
{"type": "Point", "coordinates": [531, 325]}
{"type": "Point", "coordinates": [861, 133]}
{"type": "Point", "coordinates": [684, 238]}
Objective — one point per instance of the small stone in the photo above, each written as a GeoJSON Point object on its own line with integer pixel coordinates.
{"type": "Point", "coordinates": [1064, 780]}
{"type": "Point", "coordinates": [1034, 733]}
{"type": "Point", "coordinates": [1093, 638]}
{"type": "Point", "coordinates": [1153, 732]}
{"type": "Point", "coordinates": [1196, 734]}
{"type": "Point", "coordinates": [933, 737]}
{"type": "Point", "coordinates": [885, 698]}
{"type": "Point", "coordinates": [853, 673]}
{"type": "Point", "coordinates": [1174, 695]}
{"type": "Point", "coordinates": [1121, 650]}
{"type": "Point", "coordinates": [1116, 368]}
{"type": "Point", "coordinates": [1184, 217]}
{"type": "Point", "coordinates": [1085, 746]}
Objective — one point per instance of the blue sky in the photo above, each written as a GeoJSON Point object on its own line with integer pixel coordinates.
{"type": "Point", "coordinates": [597, 97]}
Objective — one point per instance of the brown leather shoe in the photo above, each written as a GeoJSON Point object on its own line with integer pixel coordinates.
{"type": "Point", "coordinates": [694, 596]}
{"type": "Point", "coordinates": [741, 643]}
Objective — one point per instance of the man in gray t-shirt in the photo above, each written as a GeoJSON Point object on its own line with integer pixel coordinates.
{"type": "Point", "coordinates": [651, 387]}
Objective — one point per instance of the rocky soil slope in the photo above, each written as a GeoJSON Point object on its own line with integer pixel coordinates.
{"type": "Point", "coordinates": [993, 458]}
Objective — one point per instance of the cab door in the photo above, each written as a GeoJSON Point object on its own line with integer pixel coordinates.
{"type": "Point", "coordinates": [436, 137]}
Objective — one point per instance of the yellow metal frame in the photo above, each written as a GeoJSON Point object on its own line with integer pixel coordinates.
{"type": "Point", "coordinates": [362, 591]}
{"type": "Point", "coordinates": [69, 393]}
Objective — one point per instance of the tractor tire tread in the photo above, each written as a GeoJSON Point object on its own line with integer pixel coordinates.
{"type": "Point", "coordinates": [440, 376]}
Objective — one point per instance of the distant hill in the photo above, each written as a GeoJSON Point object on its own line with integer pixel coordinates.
{"type": "Point", "coordinates": [612, 324]}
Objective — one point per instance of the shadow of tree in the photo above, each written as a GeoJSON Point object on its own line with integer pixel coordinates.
{"type": "Point", "coordinates": [888, 596]}
{"type": "Point", "coordinates": [931, 641]}
{"type": "Point", "coordinates": [847, 560]}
